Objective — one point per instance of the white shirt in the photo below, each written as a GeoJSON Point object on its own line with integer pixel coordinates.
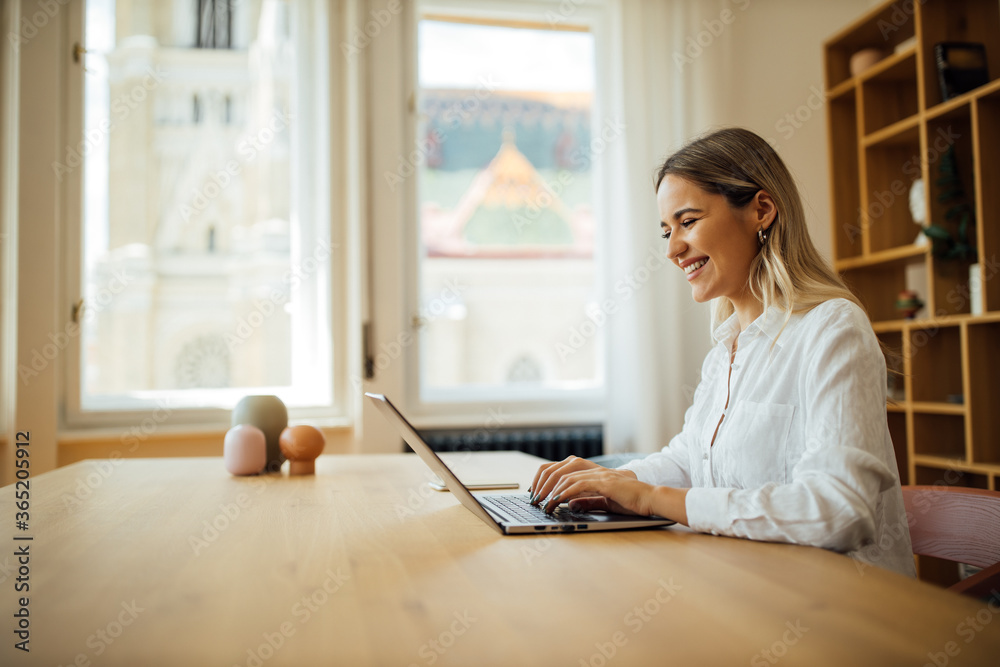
{"type": "Point", "coordinates": [803, 452]}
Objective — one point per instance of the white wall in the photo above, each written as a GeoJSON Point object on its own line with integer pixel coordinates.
{"type": "Point", "coordinates": [776, 89]}
{"type": "Point", "coordinates": [705, 64]}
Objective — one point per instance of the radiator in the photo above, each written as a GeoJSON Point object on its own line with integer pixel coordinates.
{"type": "Point", "coordinates": [549, 442]}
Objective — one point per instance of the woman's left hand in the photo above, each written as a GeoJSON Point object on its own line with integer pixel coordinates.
{"type": "Point", "coordinates": [602, 489]}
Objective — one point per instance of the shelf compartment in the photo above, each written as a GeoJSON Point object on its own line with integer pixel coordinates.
{"type": "Point", "coordinates": [935, 355]}
{"type": "Point", "coordinates": [889, 94]}
{"type": "Point", "coordinates": [939, 435]}
{"type": "Point", "coordinates": [878, 285]}
{"type": "Point", "coordinates": [945, 474]}
{"type": "Point", "coordinates": [891, 167]}
{"type": "Point", "coordinates": [892, 348]}
{"type": "Point", "coordinates": [987, 140]}
{"type": "Point", "coordinates": [897, 429]}
{"type": "Point", "coordinates": [951, 131]}
{"type": "Point", "coordinates": [844, 175]}
{"type": "Point", "coordinates": [984, 369]}
{"type": "Point", "coordinates": [951, 287]}
{"type": "Point", "coordinates": [957, 21]}
{"type": "Point", "coordinates": [883, 27]}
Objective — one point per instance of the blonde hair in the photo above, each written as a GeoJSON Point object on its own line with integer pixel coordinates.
{"type": "Point", "coordinates": [788, 272]}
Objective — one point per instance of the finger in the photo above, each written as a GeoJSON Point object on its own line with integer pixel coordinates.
{"type": "Point", "coordinates": [550, 477]}
{"type": "Point", "coordinates": [546, 470]}
{"type": "Point", "coordinates": [543, 473]}
{"type": "Point", "coordinates": [543, 476]}
{"type": "Point", "coordinates": [569, 487]}
{"type": "Point", "coordinates": [538, 475]}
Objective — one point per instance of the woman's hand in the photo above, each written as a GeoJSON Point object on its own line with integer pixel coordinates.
{"type": "Point", "coordinates": [550, 481]}
{"type": "Point", "coordinates": [588, 486]}
{"type": "Point", "coordinates": [608, 490]}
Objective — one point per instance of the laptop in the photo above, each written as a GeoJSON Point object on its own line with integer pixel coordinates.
{"type": "Point", "coordinates": [509, 514]}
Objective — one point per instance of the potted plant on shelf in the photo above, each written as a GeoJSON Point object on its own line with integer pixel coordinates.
{"type": "Point", "coordinates": [959, 214]}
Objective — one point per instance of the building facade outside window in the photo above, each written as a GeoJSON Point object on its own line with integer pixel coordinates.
{"type": "Point", "coordinates": [205, 248]}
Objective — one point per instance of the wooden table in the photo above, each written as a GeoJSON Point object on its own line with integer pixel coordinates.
{"type": "Point", "coordinates": [174, 562]}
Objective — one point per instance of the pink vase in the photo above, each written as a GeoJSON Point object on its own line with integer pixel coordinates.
{"type": "Point", "coordinates": [245, 450]}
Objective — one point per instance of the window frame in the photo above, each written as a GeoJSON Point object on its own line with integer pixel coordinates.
{"type": "Point", "coordinates": [325, 189]}
{"type": "Point", "coordinates": [546, 405]}
{"type": "Point", "coordinates": [9, 63]}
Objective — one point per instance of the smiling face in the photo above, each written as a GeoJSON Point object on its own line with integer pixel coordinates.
{"type": "Point", "coordinates": [713, 243]}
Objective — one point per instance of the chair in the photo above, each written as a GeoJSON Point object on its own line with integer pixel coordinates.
{"type": "Point", "coordinates": [958, 524]}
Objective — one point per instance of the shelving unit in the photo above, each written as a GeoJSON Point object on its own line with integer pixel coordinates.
{"type": "Point", "coordinates": [887, 127]}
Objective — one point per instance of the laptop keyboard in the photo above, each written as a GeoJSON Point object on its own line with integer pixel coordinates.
{"type": "Point", "coordinates": [518, 508]}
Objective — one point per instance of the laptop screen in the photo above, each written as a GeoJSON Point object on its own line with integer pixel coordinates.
{"type": "Point", "coordinates": [428, 456]}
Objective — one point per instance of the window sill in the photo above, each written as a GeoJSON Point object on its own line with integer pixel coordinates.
{"type": "Point", "coordinates": [73, 437]}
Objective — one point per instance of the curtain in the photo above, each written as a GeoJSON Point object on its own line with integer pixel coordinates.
{"type": "Point", "coordinates": [673, 70]}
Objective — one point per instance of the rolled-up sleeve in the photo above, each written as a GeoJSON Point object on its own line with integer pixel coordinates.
{"type": "Point", "coordinates": [831, 496]}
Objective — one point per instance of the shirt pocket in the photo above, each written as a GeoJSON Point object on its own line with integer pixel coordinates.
{"type": "Point", "coordinates": [758, 442]}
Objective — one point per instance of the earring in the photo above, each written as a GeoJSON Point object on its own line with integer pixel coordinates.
{"type": "Point", "coordinates": [761, 236]}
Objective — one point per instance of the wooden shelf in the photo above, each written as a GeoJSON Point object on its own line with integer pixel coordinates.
{"type": "Point", "coordinates": [949, 107]}
{"type": "Point", "coordinates": [935, 408]}
{"type": "Point", "coordinates": [885, 326]}
{"type": "Point", "coordinates": [939, 462]}
{"type": "Point", "coordinates": [887, 127]}
{"type": "Point", "coordinates": [842, 88]}
{"type": "Point", "coordinates": [889, 325]}
{"type": "Point", "coordinates": [957, 464]}
{"type": "Point", "coordinates": [887, 64]}
{"type": "Point", "coordinates": [883, 257]}
{"type": "Point", "coordinates": [977, 319]}
{"type": "Point", "coordinates": [902, 132]}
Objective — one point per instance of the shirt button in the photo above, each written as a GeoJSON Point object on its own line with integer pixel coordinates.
{"type": "Point", "coordinates": [704, 456]}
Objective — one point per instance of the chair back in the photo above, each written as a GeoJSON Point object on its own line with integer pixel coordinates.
{"type": "Point", "coordinates": [958, 524]}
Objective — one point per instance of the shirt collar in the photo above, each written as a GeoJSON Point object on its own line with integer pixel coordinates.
{"type": "Point", "coordinates": [727, 331]}
{"type": "Point", "coordinates": [769, 323]}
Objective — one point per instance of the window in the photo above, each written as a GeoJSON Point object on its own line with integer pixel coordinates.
{"type": "Point", "coordinates": [507, 264]}
{"type": "Point", "coordinates": [206, 250]}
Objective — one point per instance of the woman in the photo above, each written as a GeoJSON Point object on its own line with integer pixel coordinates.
{"type": "Point", "coordinates": [787, 438]}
